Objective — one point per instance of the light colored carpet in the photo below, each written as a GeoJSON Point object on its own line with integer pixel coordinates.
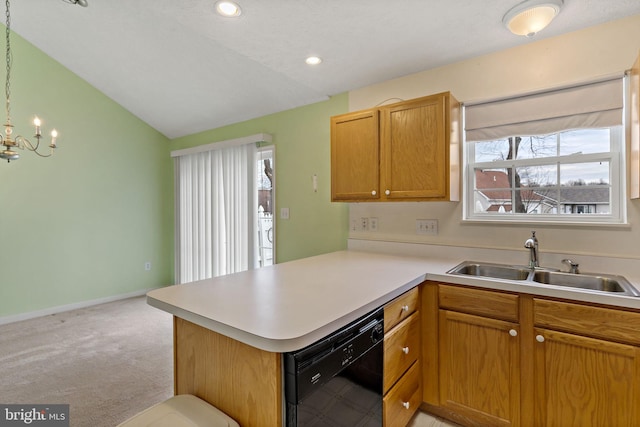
{"type": "Point", "coordinates": [108, 361]}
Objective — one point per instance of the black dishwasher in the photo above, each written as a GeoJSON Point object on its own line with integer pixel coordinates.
{"type": "Point", "coordinates": [337, 381]}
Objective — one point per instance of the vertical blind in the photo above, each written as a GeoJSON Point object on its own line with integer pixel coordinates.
{"type": "Point", "coordinates": [215, 211]}
{"type": "Point", "coordinates": [591, 105]}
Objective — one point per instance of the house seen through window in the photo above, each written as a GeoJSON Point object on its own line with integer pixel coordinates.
{"type": "Point", "coordinates": [546, 166]}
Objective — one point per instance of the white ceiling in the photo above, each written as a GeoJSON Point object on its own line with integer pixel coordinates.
{"type": "Point", "coordinates": [183, 69]}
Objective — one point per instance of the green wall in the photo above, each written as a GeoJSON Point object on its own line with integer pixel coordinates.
{"type": "Point", "coordinates": [80, 225]}
{"type": "Point", "coordinates": [302, 140]}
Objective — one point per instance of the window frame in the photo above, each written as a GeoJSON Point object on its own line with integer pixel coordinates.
{"type": "Point", "coordinates": [617, 183]}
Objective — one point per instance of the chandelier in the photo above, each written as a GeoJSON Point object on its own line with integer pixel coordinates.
{"type": "Point", "coordinates": [8, 140]}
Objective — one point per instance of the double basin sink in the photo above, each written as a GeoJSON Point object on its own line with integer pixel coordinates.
{"type": "Point", "coordinates": [593, 282]}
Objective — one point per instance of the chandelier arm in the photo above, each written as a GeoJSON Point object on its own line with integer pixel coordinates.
{"type": "Point", "coordinates": [22, 143]}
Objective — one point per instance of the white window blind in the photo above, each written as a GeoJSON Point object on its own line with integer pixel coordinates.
{"type": "Point", "coordinates": [591, 105]}
{"type": "Point", "coordinates": [216, 199]}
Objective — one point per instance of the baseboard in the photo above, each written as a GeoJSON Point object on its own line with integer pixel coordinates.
{"type": "Point", "coordinates": [68, 307]}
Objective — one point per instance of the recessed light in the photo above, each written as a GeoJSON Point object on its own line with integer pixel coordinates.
{"type": "Point", "coordinates": [228, 9]}
{"type": "Point", "coordinates": [313, 60]}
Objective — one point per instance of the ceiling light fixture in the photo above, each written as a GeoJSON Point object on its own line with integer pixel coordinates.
{"type": "Point", "coordinates": [531, 16]}
{"type": "Point", "coordinates": [228, 9]}
{"type": "Point", "coordinates": [82, 3]}
{"type": "Point", "coordinates": [313, 60]}
{"type": "Point", "coordinates": [19, 141]}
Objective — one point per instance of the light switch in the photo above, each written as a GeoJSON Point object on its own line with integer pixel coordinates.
{"type": "Point", "coordinates": [284, 213]}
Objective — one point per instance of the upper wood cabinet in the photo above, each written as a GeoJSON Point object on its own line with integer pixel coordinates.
{"type": "Point", "coordinates": [403, 151]}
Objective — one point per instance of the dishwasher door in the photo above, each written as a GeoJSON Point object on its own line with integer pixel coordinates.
{"type": "Point", "coordinates": [338, 380]}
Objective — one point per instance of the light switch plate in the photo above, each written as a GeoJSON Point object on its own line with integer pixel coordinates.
{"type": "Point", "coordinates": [427, 226]}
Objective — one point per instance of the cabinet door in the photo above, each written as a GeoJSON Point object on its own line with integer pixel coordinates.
{"type": "Point", "coordinates": [414, 149]}
{"type": "Point", "coordinates": [355, 156]}
{"type": "Point", "coordinates": [583, 381]}
{"type": "Point", "coordinates": [480, 368]}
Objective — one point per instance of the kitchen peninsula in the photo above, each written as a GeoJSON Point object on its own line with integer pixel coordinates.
{"type": "Point", "coordinates": [230, 332]}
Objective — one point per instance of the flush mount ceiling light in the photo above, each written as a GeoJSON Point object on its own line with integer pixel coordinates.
{"type": "Point", "coordinates": [531, 16]}
{"type": "Point", "coordinates": [313, 60]}
{"type": "Point", "coordinates": [228, 9]}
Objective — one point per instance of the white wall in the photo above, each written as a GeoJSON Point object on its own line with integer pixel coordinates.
{"type": "Point", "coordinates": [576, 57]}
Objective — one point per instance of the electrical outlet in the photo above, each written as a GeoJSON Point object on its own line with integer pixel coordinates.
{"type": "Point", "coordinates": [284, 213]}
{"type": "Point", "coordinates": [373, 224]}
{"type": "Point", "coordinates": [147, 266]}
{"type": "Point", "coordinates": [427, 226]}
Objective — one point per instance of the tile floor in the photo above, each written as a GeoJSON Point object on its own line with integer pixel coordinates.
{"type": "Point", "coordinates": [422, 419]}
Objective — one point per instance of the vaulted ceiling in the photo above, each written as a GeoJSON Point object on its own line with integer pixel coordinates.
{"type": "Point", "coordinates": [182, 68]}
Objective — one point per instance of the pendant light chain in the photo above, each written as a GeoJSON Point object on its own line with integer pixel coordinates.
{"type": "Point", "coordinates": [7, 87]}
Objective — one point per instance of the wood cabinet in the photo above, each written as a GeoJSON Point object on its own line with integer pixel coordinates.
{"type": "Point", "coordinates": [479, 356]}
{"type": "Point", "coordinates": [403, 151]}
{"type": "Point", "coordinates": [402, 385]}
{"type": "Point", "coordinates": [587, 365]}
{"type": "Point", "coordinates": [506, 359]}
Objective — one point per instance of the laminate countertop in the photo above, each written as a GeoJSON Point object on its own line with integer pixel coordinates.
{"type": "Point", "coordinates": [288, 306]}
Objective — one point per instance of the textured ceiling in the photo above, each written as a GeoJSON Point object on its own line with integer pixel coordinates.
{"type": "Point", "coordinates": [183, 69]}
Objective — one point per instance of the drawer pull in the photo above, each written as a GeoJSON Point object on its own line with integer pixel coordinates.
{"type": "Point", "coordinates": [405, 350]}
{"type": "Point", "coordinates": [374, 192]}
{"type": "Point", "coordinates": [539, 338]}
{"type": "Point", "coordinates": [406, 405]}
{"type": "Point", "coordinates": [405, 308]}
{"type": "Point", "coordinates": [513, 333]}
{"type": "Point", "coordinates": [387, 192]}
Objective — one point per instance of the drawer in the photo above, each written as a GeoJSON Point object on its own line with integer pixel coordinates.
{"type": "Point", "coordinates": [401, 349]}
{"type": "Point", "coordinates": [598, 322]}
{"type": "Point", "coordinates": [498, 305]}
{"type": "Point", "coordinates": [404, 399]}
{"type": "Point", "coordinates": [400, 308]}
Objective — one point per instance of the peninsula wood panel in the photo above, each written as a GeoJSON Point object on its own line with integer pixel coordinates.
{"type": "Point", "coordinates": [240, 380]}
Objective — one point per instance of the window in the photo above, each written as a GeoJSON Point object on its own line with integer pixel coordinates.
{"type": "Point", "coordinates": [222, 207]}
{"type": "Point", "coordinates": [547, 157]}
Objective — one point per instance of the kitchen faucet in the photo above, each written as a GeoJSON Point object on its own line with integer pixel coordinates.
{"type": "Point", "coordinates": [532, 244]}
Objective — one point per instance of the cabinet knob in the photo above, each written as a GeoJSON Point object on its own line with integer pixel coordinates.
{"type": "Point", "coordinates": [405, 308]}
{"type": "Point", "coordinates": [513, 333]}
{"type": "Point", "coordinates": [406, 405]}
{"type": "Point", "coordinates": [405, 350]}
{"type": "Point", "coordinates": [374, 192]}
{"type": "Point", "coordinates": [387, 192]}
{"type": "Point", "coordinates": [539, 338]}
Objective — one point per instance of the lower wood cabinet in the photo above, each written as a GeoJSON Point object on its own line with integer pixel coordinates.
{"type": "Point", "coordinates": [581, 381]}
{"type": "Point", "coordinates": [501, 359]}
{"type": "Point", "coordinates": [479, 368]}
{"type": "Point", "coordinates": [402, 381]}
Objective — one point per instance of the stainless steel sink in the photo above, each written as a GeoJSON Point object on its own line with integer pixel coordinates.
{"type": "Point", "coordinates": [605, 283]}
{"type": "Point", "coordinates": [600, 282]}
{"type": "Point", "coordinates": [496, 271]}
